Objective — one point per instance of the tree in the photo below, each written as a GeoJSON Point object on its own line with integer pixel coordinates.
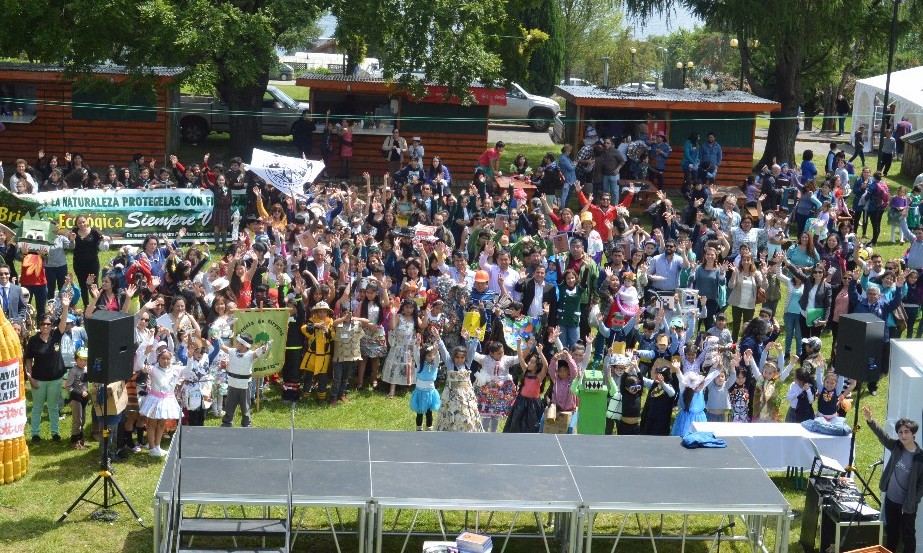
{"type": "Point", "coordinates": [591, 29]}
{"type": "Point", "coordinates": [791, 49]}
{"type": "Point", "coordinates": [547, 61]}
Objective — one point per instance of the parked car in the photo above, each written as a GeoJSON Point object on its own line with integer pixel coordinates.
{"type": "Point", "coordinates": [521, 106]}
{"type": "Point", "coordinates": [557, 130]}
{"type": "Point", "coordinates": [201, 116]}
{"type": "Point", "coordinates": [573, 81]}
{"type": "Point", "coordinates": [284, 72]}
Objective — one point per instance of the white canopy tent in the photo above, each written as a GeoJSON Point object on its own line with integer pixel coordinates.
{"type": "Point", "coordinates": [906, 92]}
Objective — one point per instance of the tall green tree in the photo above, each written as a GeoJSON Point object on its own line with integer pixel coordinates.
{"type": "Point", "coordinates": [591, 29]}
{"type": "Point", "coordinates": [546, 65]}
{"type": "Point", "coordinates": [796, 45]}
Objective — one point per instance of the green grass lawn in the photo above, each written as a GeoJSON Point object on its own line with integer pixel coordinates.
{"type": "Point", "coordinates": [30, 507]}
{"type": "Point", "coordinates": [762, 122]}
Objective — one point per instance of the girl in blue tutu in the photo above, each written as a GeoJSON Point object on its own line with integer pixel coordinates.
{"type": "Point", "coordinates": [425, 399]}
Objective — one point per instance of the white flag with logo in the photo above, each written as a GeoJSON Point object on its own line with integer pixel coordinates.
{"type": "Point", "coordinates": [288, 174]}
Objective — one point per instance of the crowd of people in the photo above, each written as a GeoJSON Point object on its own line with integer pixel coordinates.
{"type": "Point", "coordinates": [506, 302]}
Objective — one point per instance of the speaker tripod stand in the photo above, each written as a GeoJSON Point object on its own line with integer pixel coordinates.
{"type": "Point", "coordinates": [110, 488]}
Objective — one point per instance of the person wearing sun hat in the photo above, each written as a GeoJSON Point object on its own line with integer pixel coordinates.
{"type": "Point", "coordinates": [594, 242]}
{"type": "Point", "coordinates": [79, 395]}
{"type": "Point", "coordinates": [319, 348]}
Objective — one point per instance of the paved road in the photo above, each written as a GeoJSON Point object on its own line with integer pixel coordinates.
{"type": "Point", "coordinates": [516, 134]}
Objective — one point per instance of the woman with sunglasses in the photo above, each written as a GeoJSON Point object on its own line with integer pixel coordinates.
{"type": "Point", "coordinates": [816, 300]}
{"type": "Point", "coordinates": [44, 368]}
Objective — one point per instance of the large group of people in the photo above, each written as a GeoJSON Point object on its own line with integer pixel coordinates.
{"type": "Point", "coordinates": [507, 303]}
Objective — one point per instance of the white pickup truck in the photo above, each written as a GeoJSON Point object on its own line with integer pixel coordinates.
{"type": "Point", "coordinates": [203, 115]}
{"type": "Point", "coordinates": [523, 107]}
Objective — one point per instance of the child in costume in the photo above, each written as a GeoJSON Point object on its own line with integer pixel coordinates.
{"type": "Point", "coordinates": [318, 348]}
{"type": "Point", "coordinates": [767, 392]}
{"type": "Point", "coordinates": [160, 404]}
{"type": "Point", "coordinates": [425, 399]}
{"type": "Point", "coordinates": [240, 375]}
{"type": "Point", "coordinates": [496, 389]}
{"type": "Point", "coordinates": [347, 339]}
{"type": "Point", "coordinates": [692, 401]}
{"type": "Point", "coordinates": [526, 413]}
{"type": "Point", "coordinates": [79, 395]}
{"type": "Point", "coordinates": [458, 411]}
{"type": "Point", "coordinates": [592, 388]}
{"type": "Point", "coordinates": [630, 389]}
{"type": "Point", "coordinates": [197, 383]}
{"type": "Point", "coordinates": [560, 411]}
{"type": "Point", "coordinates": [833, 397]}
{"type": "Point", "coordinates": [658, 408]}
{"type": "Point", "coordinates": [800, 397]}
{"type": "Point", "coordinates": [294, 344]}
{"type": "Point", "coordinates": [740, 395]}
{"type": "Point", "coordinates": [619, 363]}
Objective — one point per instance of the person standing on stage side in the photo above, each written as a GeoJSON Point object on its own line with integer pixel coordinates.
{"type": "Point", "coordinates": [901, 481]}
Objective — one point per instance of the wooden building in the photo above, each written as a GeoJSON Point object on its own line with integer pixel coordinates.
{"type": "Point", "coordinates": [41, 108]}
{"type": "Point", "coordinates": [730, 114]}
{"type": "Point", "coordinates": [455, 133]}
{"type": "Point", "coordinates": [912, 164]}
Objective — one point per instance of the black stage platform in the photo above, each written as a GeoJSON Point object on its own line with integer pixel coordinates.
{"type": "Point", "coordinates": [541, 473]}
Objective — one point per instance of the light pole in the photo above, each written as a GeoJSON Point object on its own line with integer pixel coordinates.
{"type": "Point", "coordinates": [606, 72]}
{"type": "Point", "coordinates": [685, 67]}
{"type": "Point", "coordinates": [884, 107]}
{"type": "Point", "coordinates": [634, 51]}
{"type": "Point", "coordinates": [734, 44]}
{"type": "Point", "coordinates": [662, 58]}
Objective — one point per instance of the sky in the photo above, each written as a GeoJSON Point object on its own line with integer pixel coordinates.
{"type": "Point", "coordinates": [680, 18]}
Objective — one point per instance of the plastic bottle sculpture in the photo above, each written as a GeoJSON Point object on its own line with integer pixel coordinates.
{"type": "Point", "coordinates": [14, 453]}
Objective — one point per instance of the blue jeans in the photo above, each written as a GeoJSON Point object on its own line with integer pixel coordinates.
{"type": "Point", "coordinates": [841, 119]}
{"type": "Point", "coordinates": [40, 295]}
{"type": "Point", "coordinates": [569, 335]}
{"type": "Point", "coordinates": [48, 393]}
{"type": "Point", "coordinates": [792, 330]}
{"type": "Point", "coordinates": [565, 194]}
{"type": "Point", "coordinates": [611, 185]}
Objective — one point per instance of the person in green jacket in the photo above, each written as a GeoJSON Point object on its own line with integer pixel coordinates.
{"type": "Point", "coordinates": [587, 271]}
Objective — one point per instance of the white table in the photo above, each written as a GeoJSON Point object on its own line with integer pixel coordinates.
{"type": "Point", "coordinates": [777, 446]}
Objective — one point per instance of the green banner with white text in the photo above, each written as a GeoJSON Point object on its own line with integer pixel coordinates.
{"type": "Point", "coordinates": [128, 215]}
{"type": "Point", "coordinates": [264, 325]}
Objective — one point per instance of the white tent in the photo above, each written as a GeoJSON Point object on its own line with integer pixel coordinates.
{"type": "Point", "coordinates": [906, 92]}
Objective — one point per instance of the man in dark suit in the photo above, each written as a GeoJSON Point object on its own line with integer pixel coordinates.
{"type": "Point", "coordinates": [14, 306]}
{"type": "Point", "coordinates": [536, 293]}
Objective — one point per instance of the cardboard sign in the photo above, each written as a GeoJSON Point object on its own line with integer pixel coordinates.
{"type": "Point", "coordinates": [561, 242]}
{"type": "Point", "coordinates": [116, 400]}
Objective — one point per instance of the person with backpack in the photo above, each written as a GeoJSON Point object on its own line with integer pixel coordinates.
{"type": "Point", "coordinates": [879, 196]}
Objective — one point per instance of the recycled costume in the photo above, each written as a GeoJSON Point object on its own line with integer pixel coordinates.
{"type": "Point", "coordinates": [615, 407]}
{"type": "Point", "coordinates": [294, 344]}
{"type": "Point", "coordinates": [398, 367]}
{"type": "Point", "coordinates": [160, 402]}
{"type": "Point", "coordinates": [347, 337]}
{"type": "Point", "coordinates": [425, 399]}
{"type": "Point", "coordinates": [240, 375]}
{"type": "Point", "coordinates": [496, 389]}
{"type": "Point", "coordinates": [528, 408]}
{"type": "Point", "coordinates": [197, 388]}
{"type": "Point", "coordinates": [458, 411]}
{"type": "Point", "coordinates": [630, 389]}
{"type": "Point", "coordinates": [563, 401]}
{"type": "Point", "coordinates": [691, 403]}
{"type": "Point", "coordinates": [318, 348]}
{"type": "Point", "coordinates": [658, 408]}
{"type": "Point", "coordinates": [593, 389]}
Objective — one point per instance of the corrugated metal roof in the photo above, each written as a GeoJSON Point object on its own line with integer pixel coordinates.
{"type": "Point", "coordinates": [913, 138]}
{"type": "Point", "coordinates": [364, 77]}
{"type": "Point", "coordinates": [101, 69]}
{"type": "Point", "coordinates": [669, 95]}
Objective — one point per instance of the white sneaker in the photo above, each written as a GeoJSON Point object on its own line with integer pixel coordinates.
{"type": "Point", "coordinates": [156, 452]}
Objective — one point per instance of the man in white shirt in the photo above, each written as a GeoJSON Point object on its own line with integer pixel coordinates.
{"type": "Point", "coordinates": [501, 272]}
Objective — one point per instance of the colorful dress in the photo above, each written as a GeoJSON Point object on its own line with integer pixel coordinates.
{"type": "Point", "coordinates": [496, 391]}
{"type": "Point", "coordinates": [373, 343]}
{"type": "Point", "coordinates": [459, 406]}
{"type": "Point", "coordinates": [740, 403]}
{"type": "Point", "coordinates": [403, 355]}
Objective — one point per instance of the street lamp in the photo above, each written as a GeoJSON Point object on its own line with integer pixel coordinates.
{"type": "Point", "coordinates": [884, 107]}
{"type": "Point", "coordinates": [634, 51]}
{"type": "Point", "coordinates": [734, 44]}
{"type": "Point", "coordinates": [685, 67]}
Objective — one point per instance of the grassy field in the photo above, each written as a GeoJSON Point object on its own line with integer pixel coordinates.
{"type": "Point", "coordinates": [762, 122]}
{"type": "Point", "coordinates": [30, 507]}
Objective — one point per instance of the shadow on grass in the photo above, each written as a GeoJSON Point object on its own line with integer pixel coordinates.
{"type": "Point", "coordinates": [86, 465]}
{"type": "Point", "coordinates": [23, 529]}
{"type": "Point", "coordinates": [140, 539]}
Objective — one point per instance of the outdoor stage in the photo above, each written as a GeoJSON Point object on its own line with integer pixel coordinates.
{"type": "Point", "coordinates": [575, 478]}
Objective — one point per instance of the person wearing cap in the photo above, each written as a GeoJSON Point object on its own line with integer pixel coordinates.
{"type": "Point", "coordinates": [318, 348]}
{"type": "Point", "coordinates": [416, 149]}
{"type": "Point", "coordinates": [240, 376]}
{"type": "Point", "coordinates": [79, 395]}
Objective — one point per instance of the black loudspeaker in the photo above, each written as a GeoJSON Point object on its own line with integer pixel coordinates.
{"type": "Point", "coordinates": [111, 338]}
{"type": "Point", "coordinates": [859, 345]}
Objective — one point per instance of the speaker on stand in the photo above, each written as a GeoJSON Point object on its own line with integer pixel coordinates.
{"type": "Point", "coordinates": [111, 345]}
